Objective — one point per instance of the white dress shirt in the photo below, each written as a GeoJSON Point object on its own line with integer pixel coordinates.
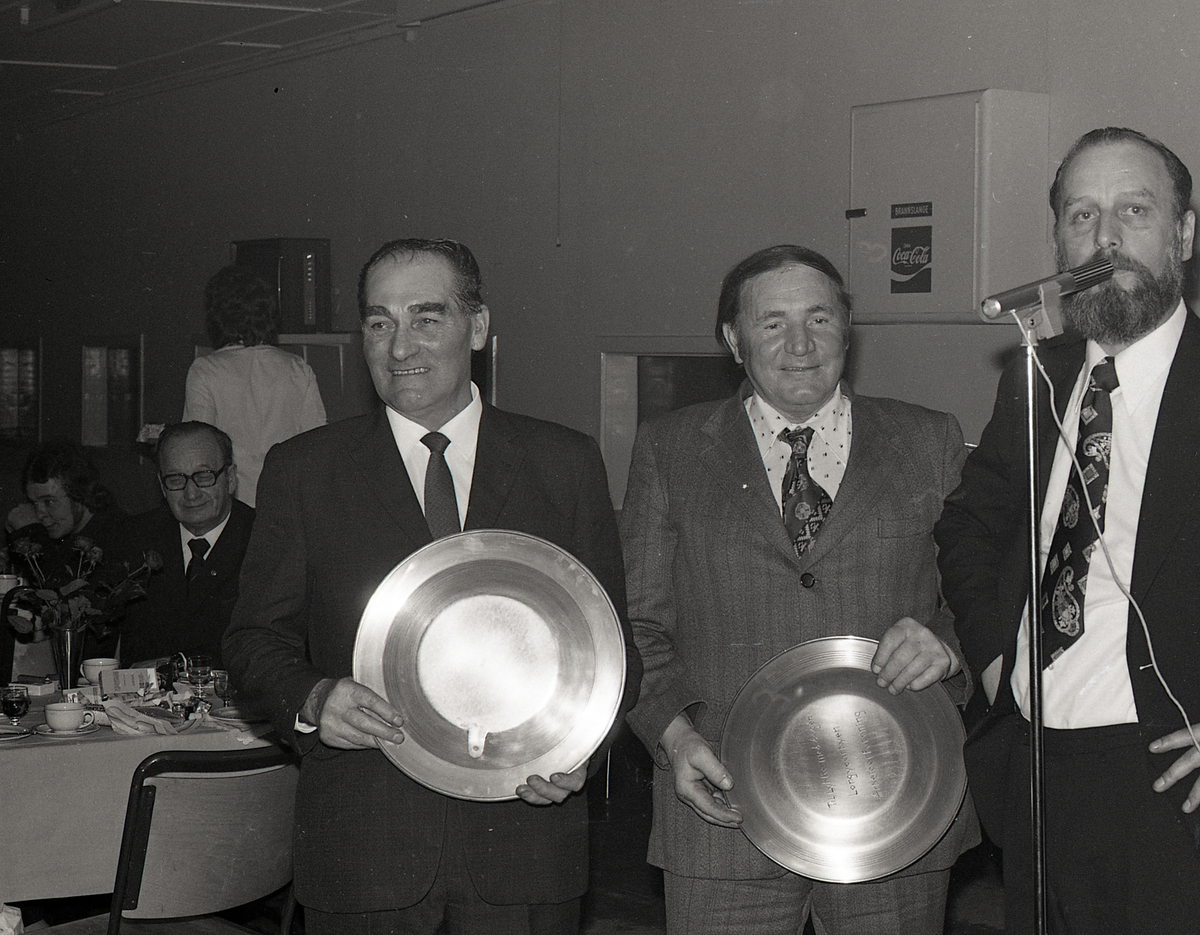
{"type": "Point", "coordinates": [463, 432]}
{"type": "Point", "coordinates": [1089, 684]}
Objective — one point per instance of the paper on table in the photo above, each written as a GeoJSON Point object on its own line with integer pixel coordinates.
{"type": "Point", "coordinates": [10, 921]}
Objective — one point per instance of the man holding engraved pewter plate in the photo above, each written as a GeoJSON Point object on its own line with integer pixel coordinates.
{"type": "Point", "coordinates": [340, 508]}
{"type": "Point", "coordinates": [785, 530]}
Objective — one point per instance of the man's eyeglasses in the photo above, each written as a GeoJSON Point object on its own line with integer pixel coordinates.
{"type": "Point", "coordinates": [200, 479]}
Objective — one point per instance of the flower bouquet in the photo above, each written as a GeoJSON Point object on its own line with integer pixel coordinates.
{"type": "Point", "coordinates": [65, 603]}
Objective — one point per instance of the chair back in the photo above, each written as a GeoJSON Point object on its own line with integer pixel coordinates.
{"type": "Point", "coordinates": [205, 831]}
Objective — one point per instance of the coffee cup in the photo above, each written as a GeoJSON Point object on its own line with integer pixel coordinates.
{"type": "Point", "coordinates": [68, 716]}
{"type": "Point", "coordinates": [8, 582]}
{"type": "Point", "coordinates": [92, 668]}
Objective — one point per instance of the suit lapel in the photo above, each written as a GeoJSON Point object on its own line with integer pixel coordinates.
{"type": "Point", "coordinates": [729, 452]}
{"type": "Point", "coordinates": [1170, 495]}
{"type": "Point", "coordinates": [873, 451]}
{"type": "Point", "coordinates": [1063, 370]}
{"type": "Point", "coordinates": [498, 458]}
{"type": "Point", "coordinates": [223, 558]}
{"type": "Point", "coordinates": [384, 480]}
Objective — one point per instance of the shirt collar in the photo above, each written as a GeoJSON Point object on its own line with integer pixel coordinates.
{"type": "Point", "coordinates": [462, 429]}
{"type": "Point", "coordinates": [212, 535]}
{"type": "Point", "coordinates": [1142, 365]}
{"type": "Point", "coordinates": [831, 420]}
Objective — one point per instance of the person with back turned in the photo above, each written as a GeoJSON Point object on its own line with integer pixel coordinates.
{"type": "Point", "coordinates": [1121, 795]}
{"type": "Point", "coordinates": [338, 508]}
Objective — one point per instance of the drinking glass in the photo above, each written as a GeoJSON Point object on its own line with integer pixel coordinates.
{"type": "Point", "coordinates": [200, 673]}
{"type": "Point", "coordinates": [221, 686]}
{"type": "Point", "coordinates": [14, 702]}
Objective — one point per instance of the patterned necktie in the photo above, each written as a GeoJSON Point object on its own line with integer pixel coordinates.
{"type": "Point", "coordinates": [1065, 580]}
{"type": "Point", "coordinates": [195, 569]}
{"type": "Point", "coordinates": [441, 508]}
{"type": "Point", "coordinates": [805, 502]}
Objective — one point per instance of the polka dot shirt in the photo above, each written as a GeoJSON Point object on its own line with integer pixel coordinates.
{"type": "Point", "coordinates": [828, 453]}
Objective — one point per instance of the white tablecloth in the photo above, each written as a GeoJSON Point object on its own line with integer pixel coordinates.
{"type": "Point", "coordinates": [62, 804]}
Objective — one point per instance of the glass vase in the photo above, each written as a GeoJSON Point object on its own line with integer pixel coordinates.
{"type": "Point", "coordinates": [68, 656]}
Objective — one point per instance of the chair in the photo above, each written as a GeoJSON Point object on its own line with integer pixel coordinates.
{"type": "Point", "coordinates": [204, 831]}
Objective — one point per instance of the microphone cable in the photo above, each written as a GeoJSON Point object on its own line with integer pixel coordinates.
{"type": "Point", "coordinates": [1124, 589]}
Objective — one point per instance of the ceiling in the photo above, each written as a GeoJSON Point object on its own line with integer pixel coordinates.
{"type": "Point", "coordinates": [63, 58]}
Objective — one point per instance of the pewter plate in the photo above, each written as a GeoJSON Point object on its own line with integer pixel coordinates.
{"type": "Point", "coordinates": [836, 779]}
{"type": "Point", "coordinates": [505, 656]}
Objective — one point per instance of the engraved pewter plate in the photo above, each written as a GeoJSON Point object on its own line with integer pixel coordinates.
{"type": "Point", "coordinates": [503, 653]}
{"type": "Point", "coordinates": [836, 779]}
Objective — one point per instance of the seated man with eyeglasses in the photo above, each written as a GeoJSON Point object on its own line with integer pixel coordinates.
{"type": "Point", "coordinates": [201, 533]}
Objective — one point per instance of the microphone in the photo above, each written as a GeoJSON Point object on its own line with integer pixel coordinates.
{"type": "Point", "coordinates": [1068, 283]}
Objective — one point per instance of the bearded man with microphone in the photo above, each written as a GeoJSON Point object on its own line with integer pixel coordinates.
{"type": "Point", "coordinates": [1121, 796]}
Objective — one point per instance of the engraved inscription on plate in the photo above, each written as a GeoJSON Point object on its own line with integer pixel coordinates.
{"type": "Point", "coordinates": [838, 760]}
{"type": "Point", "coordinates": [488, 663]}
{"type": "Point", "coordinates": [836, 779]}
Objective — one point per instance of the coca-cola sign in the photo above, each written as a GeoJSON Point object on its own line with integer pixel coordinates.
{"type": "Point", "coordinates": [912, 259]}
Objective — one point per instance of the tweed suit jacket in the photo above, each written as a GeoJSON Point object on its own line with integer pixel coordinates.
{"type": "Point", "coordinates": [982, 538]}
{"type": "Point", "coordinates": [168, 621]}
{"type": "Point", "coordinates": [716, 588]}
{"type": "Point", "coordinates": [336, 512]}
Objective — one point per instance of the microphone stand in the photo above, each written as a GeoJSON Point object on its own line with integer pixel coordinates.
{"type": "Point", "coordinates": [1041, 320]}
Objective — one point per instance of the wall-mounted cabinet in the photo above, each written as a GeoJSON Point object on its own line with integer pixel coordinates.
{"type": "Point", "coordinates": [947, 203]}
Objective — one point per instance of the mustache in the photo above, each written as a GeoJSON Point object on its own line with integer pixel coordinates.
{"type": "Point", "coordinates": [1119, 261]}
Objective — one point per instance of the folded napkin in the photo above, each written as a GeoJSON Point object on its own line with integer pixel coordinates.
{"type": "Point", "coordinates": [125, 720]}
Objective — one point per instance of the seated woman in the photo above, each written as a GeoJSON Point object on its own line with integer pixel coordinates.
{"type": "Point", "coordinates": [252, 390]}
{"type": "Point", "coordinates": [65, 501]}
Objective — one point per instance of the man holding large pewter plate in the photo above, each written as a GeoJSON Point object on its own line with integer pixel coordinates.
{"type": "Point", "coordinates": [338, 508]}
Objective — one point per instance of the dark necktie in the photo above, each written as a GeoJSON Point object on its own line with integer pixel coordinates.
{"type": "Point", "coordinates": [441, 508]}
{"type": "Point", "coordinates": [805, 502]}
{"type": "Point", "coordinates": [195, 569]}
{"type": "Point", "coordinates": [1065, 580]}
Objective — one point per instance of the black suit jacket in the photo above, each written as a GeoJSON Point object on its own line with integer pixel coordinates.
{"type": "Point", "coordinates": [168, 620]}
{"type": "Point", "coordinates": [336, 513]}
{"type": "Point", "coordinates": [983, 557]}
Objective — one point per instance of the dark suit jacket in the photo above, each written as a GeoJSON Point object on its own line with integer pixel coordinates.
{"type": "Point", "coordinates": [336, 513]}
{"type": "Point", "coordinates": [983, 536]}
{"type": "Point", "coordinates": [166, 621]}
{"type": "Point", "coordinates": [716, 588]}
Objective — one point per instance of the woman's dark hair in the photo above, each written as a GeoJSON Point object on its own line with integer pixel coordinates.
{"type": "Point", "coordinates": [67, 464]}
{"type": "Point", "coordinates": [240, 308]}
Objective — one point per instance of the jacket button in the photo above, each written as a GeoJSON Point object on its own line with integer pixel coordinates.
{"type": "Point", "coordinates": [807, 579]}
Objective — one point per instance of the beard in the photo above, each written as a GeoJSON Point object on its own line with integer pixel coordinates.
{"type": "Point", "coordinates": [1109, 314]}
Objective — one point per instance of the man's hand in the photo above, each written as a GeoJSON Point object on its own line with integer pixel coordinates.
{"type": "Point", "coordinates": [911, 656]}
{"type": "Point", "coordinates": [350, 716]}
{"type": "Point", "coordinates": [1181, 767]}
{"type": "Point", "coordinates": [697, 773]}
{"type": "Point", "coordinates": [538, 791]}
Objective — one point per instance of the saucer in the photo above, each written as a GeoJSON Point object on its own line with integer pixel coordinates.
{"type": "Point", "coordinates": [44, 730]}
{"type": "Point", "coordinates": [9, 732]}
{"type": "Point", "coordinates": [237, 714]}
